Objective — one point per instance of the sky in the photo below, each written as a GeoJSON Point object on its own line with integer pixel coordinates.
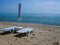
{"type": "Point", "coordinates": [30, 6]}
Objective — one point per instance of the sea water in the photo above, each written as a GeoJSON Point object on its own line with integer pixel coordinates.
{"type": "Point", "coordinates": [50, 19]}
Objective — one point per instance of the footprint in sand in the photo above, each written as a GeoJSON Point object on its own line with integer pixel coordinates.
{"type": "Point", "coordinates": [40, 33]}
{"type": "Point", "coordinates": [33, 34]}
{"type": "Point", "coordinates": [56, 43]}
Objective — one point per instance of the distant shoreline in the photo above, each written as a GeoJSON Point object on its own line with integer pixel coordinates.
{"type": "Point", "coordinates": [31, 24]}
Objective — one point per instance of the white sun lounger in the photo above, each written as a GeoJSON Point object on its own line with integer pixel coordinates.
{"type": "Point", "coordinates": [25, 30]}
{"type": "Point", "coordinates": [10, 28]}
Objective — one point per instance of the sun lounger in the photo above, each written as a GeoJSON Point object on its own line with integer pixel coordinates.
{"type": "Point", "coordinates": [25, 30]}
{"type": "Point", "coordinates": [8, 29]}
{"type": "Point", "coordinates": [11, 29]}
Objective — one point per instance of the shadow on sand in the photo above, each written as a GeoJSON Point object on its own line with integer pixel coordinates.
{"type": "Point", "coordinates": [5, 33]}
{"type": "Point", "coordinates": [21, 35]}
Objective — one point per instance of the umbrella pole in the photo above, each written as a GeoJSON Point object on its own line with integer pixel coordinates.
{"type": "Point", "coordinates": [19, 22]}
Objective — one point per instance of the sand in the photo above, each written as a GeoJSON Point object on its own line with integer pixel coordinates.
{"type": "Point", "coordinates": [42, 35]}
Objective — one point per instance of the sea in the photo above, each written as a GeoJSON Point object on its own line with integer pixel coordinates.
{"type": "Point", "coordinates": [49, 19]}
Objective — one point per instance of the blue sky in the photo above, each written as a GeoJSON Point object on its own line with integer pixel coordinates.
{"type": "Point", "coordinates": [30, 6]}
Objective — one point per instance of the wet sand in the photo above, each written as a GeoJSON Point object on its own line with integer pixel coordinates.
{"type": "Point", "coordinates": [42, 35]}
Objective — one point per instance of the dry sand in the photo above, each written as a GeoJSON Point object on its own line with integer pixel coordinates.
{"type": "Point", "coordinates": [42, 35]}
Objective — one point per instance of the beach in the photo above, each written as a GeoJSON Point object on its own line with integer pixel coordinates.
{"type": "Point", "coordinates": [42, 35]}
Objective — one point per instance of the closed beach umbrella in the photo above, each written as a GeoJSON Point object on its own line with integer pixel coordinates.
{"type": "Point", "coordinates": [19, 11]}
